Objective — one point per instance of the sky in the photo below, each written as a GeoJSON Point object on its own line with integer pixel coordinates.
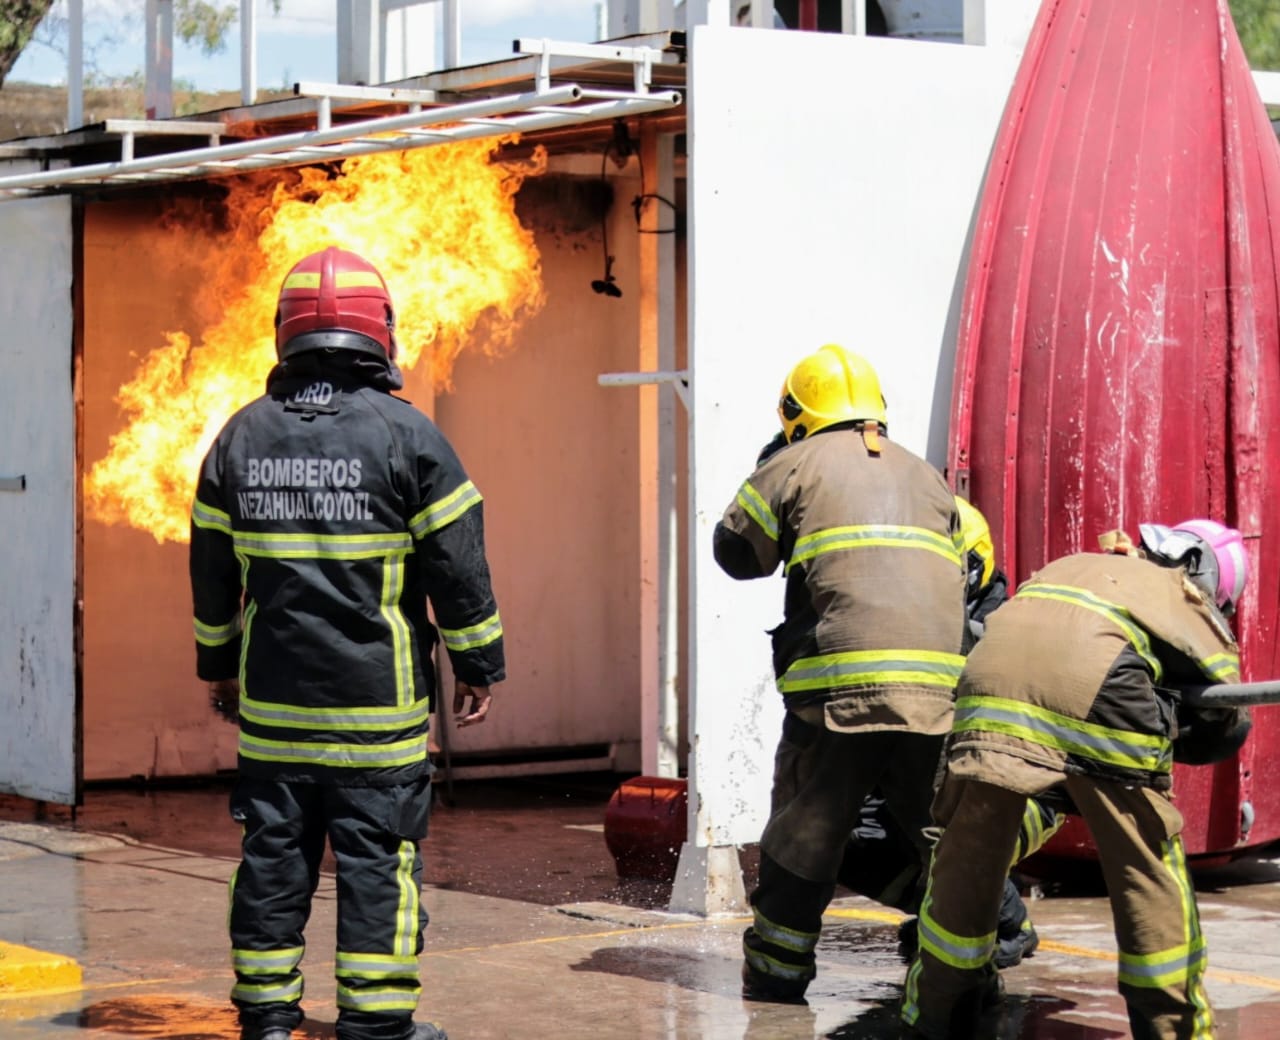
{"type": "Point", "coordinates": [298, 44]}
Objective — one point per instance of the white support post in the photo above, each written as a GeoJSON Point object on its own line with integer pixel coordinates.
{"type": "Point", "coordinates": [659, 606]}
{"type": "Point", "coordinates": [158, 91]}
{"type": "Point", "coordinates": [75, 64]}
{"type": "Point", "coordinates": [633, 17]}
{"type": "Point", "coordinates": [999, 23]}
{"type": "Point", "coordinates": [359, 39]}
{"type": "Point", "coordinates": [248, 53]}
{"type": "Point", "coordinates": [452, 34]}
{"type": "Point", "coordinates": [709, 12]}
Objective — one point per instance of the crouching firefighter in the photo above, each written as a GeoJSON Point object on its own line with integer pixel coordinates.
{"type": "Point", "coordinates": [1075, 682]}
{"type": "Point", "coordinates": [868, 651]}
{"type": "Point", "coordinates": [327, 513]}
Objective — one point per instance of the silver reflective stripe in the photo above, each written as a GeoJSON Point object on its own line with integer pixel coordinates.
{"type": "Point", "coordinates": [321, 546]}
{"type": "Point", "coordinates": [487, 631]}
{"type": "Point", "coordinates": [1070, 736]}
{"type": "Point", "coordinates": [1163, 969]}
{"type": "Point", "coordinates": [872, 668]}
{"type": "Point", "coordinates": [209, 518]}
{"type": "Point", "coordinates": [266, 962]}
{"type": "Point", "coordinates": [400, 753]}
{"type": "Point", "coordinates": [754, 505]}
{"type": "Point", "coordinates": [217, 635]}
{"type": "Point", "coordinates": [390, 998]}
{"type": "Point", "coordinates": [778, 969]}
{"type": "Point", "coordinates": [354, 719]}
{"type": "Point", "coordinates": [962, 952]}
{"type": "Point", "coordinates": [288, 991]}
{"type": "Point", "coordinates": [376, 965]}
{"type": "Point", "coordinates": [446, 510]}
{"type": "Point", "coordinates": [787, 938]}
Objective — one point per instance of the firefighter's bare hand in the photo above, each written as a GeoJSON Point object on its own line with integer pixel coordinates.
{"type": "Point", "coordinates": [481, 698]}
{"type": "Point", "coordinates": [224, 698]}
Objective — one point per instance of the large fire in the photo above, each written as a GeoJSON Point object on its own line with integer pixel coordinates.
{"type": "Point", "coordinates": [440, 225]}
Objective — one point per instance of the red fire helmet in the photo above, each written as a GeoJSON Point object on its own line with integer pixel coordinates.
{"type": "Point", "coordinates": [335, 300]}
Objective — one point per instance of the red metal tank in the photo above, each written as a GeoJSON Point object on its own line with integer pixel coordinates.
{"type": "Point", "coordinates": [1119, 356]}
{"type": "Point", "coordinates": [645, 824]}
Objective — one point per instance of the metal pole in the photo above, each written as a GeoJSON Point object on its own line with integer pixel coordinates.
{"type": "Point", "coordinates": [452, 34]}
{"type": "Point", "coordinates": [248, 53]}
{"type": "Point", "coordinates": [1233, 695]}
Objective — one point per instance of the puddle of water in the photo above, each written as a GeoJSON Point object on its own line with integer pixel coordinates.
{"type": "Point", "coordinates": [171, 1018]}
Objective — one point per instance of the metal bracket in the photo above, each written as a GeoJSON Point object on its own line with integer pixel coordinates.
{"type": "Point", "coordinates": [678, 379]}
{"type": "Point", "coordinates": [642, 58]}
{"type": "Point", "coordinates": [13, 483]}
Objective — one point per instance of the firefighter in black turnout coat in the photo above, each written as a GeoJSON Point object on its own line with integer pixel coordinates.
{"type": "Point", "coordinates": [327, 513]}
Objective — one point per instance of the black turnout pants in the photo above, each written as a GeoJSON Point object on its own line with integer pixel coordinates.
{"type": "Point", "coordinates": [374, 834]}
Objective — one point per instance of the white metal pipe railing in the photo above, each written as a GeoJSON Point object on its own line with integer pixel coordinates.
{"type": "Point", "coordinates": [523, 112]}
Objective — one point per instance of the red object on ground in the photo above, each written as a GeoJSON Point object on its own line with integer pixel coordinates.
{"type": "Point", "coordinates": [1119, 355]}
{"type": "Point", "coordinates": [645, 824]}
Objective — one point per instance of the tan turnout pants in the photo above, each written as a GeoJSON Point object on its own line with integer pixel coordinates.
{"type": "Point", "coordinates": [1162, 955]}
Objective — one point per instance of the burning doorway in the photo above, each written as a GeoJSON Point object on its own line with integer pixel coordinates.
{"type": "Point", "coordinates": [502, 342]}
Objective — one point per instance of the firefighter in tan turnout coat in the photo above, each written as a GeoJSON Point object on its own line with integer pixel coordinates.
{"type": "Point", "coordinates": [1075, 682]}
{"type": "Point", "coordinates": [869, 650]}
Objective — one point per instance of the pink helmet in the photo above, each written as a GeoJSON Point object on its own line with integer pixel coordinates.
{"type": "Point", "coordinates": [1229, 559]}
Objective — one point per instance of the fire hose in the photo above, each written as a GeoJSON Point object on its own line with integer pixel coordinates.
{"type": "Point", "coordinates": [1233, 695]}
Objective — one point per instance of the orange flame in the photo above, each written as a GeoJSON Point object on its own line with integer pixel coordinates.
{"type": "Point", "coordinates": [440, 225]}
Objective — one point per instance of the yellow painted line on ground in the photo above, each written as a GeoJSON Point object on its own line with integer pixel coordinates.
{"type": "Point", "coordinates": [879, 916]}
{"type": "Point", "coordinates": [24, 971]}
{"type": "Point", "coordinates": [1233, 978]}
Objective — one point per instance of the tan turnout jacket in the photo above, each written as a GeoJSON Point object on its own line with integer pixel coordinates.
{"type": "Point", "coordinates": [874, 609]}
{"type": "Point", "coordinates": [1065, 676]}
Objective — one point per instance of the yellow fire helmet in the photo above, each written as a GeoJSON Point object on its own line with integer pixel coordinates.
{"type": "Point", "coordinates": [977, 537]}
{"type": "Point", "coordinates": [831, 385]}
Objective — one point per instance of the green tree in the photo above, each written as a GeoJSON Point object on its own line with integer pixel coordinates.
{"type": "Point", "coordinates": [1258, 23]}
{"type": "Point", "coordinates": [202, 23]}
{"type": "Point", "coordinates": [18, 22]}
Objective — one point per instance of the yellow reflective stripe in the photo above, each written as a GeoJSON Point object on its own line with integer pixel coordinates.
{"type": "Point", "coordinates": [266, 962]}
{"type": "Point", "coordinates": [209, 518]}
{"type": "Point", "coordinates": [341, 279]}
{"type": "Point", "coordinates": [757, 508]}
{"type": "Point", "coordinates": [401, 637]}
{"type": "Point", "coordinates": [344, 756]}
{"type": "Point", "coordinates": [767, 965]}
{"type": "Point", "coordinates": [487, 631]}
{"type": "Point", "coordinates": [1034, 833]}
{"type": "Point", "coordinates": [872, 668]}
{"type": "Point", "coordinates": [867, 536]}
{"type": "Point", "coordinates": [1113, 612]}
{"type": "Point", "coordinates": [250, 612]}
{"type": "Point", "coordinates": [322, 546]}
{"type": "Point", "coordinates": [445, 511]}
{"type": "Point", "coordinates": [911, 994]}
{"type": "Point", "coordinates": [268, 993]}
{"type": "Point", "coordinates": [216, 635]}
{"type": "Point", "coordinates": [1038, 725]}
{"type": "Point", "coordinates": [383, 998]}
{"type": "Point", "coordinates": [966, 953]}
{"type": "Point", "coordinates": [1224, 667]}
{"type": "Point", "coordinates": [780, 935]}
{"type": "Point", "coordinates": [376, 965]}
{"type": "Point", "coordinates": [1171, 967]}
{"type": "Point", "coordinates": [377, 718]}
{"type": "Point", "coordinates": [406, 937]}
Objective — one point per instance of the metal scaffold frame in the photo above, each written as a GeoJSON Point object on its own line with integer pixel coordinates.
{"type": "Point", "coordinates": [546, 107]}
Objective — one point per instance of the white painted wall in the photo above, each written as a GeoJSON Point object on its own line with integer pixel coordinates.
{"type": "Point", "coordinates": [833, 180]}
{"type": "Point", "coordinates": [37, 440]}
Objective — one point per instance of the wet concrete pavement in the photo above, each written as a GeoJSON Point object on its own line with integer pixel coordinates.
{"type": "Point", "coordinates": [557, 955]}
